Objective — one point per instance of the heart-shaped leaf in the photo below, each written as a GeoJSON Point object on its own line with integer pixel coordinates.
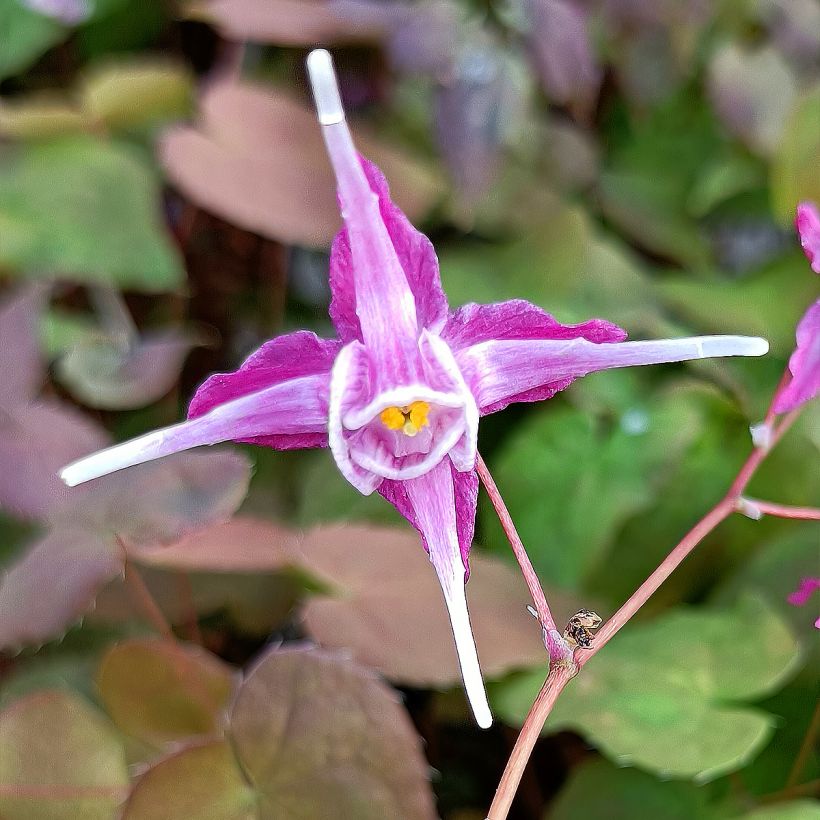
{"type": "Point", "coordinates": [662, 695]}
{"type": "Point", "coordinates": [61, 760]}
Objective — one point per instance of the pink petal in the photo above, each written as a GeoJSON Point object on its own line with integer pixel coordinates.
{"type": "Point", "coordinates": [432, 499]}
{"type": "Point", "coordinates": [296, 409]}
{"type": "Point", "coordinates": [807, 222]}
{"type": "Point", "coordinates": [291, 356]}
{"type": "Point", "coordinates": [500, 372]}
{"type": "Point", "coordinates": [804, 364]}
{"type": "Point", "coordinates": [473, 324]}
{"type": "Point", "coordinates": [800, 597]}
{"type": "Point", "coordinates": [416, 256]}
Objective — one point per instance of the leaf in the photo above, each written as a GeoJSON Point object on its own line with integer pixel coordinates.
{"type": "Point", "coordinates": [26, 35]}
{"type": "Point", "coordinates": [597, 790]}
{"type": "Point", "coordinates": [21, 368]}
{"type": "Point", "coordinates": [215, 788]}
{"type": "Point", "coordinates": [559, 465]}
{"type": "Point", "coordinates": [795, 171]}
{"type": "Point", "coordinates": [162, 500]}
{"type": "Point", "coordinates": [53, 585]}
{"type": "Point", "coordinates": [293, 22]}
{"type": "Point", "coordinates": [226, 165]}
{"type": "Point", "coordinates": [753, 92]}
{"type": "Point", "coordinates": [320, 735]}
{"type": "Point", "coordinates": [389, 612]}
{"type": "Point", "coordinates": [159, 691]}
{"type": "Point", "coordinates": [240, 545]}
{"type": "Point", "coordinates": [665, 696]}
{"type": "Point", "coordinates": [795, 810]}
{"type": "Point", "coordinates": [51, 192]}
{"type": "Point", "coordinates": [36, 440]}
{"type": "Point", "coordinates": [137, 92]}
{"type": "Point", "coordinates": [61, 761]}
{"type": "Point", "coordinates": [100, 373]}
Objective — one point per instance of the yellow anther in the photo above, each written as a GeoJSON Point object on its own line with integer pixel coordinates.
{"type": "Point", "coordinates": [407, 419]}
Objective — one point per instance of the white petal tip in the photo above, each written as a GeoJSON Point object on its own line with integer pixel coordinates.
{"type": "Point", "coordinates": [325, 88]}
{"type": "Point", "coordinates": [733, 346]}
{"type": "Point", "coordinates": [483, 718]}
{"type": "Point", "coordinates": [70, 476]}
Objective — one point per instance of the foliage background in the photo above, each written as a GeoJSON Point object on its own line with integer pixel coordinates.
{"type": "Point", "coordinates": [165, 206]}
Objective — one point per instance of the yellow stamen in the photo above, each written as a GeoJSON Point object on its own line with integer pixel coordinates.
{"type": "Point", "coordinates": [407, 419]}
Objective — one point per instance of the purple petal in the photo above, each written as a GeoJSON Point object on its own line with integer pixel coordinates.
{"type": "Point", "coordinates": [294, 410]}
{"type": "Point", "coordinates": [800, 597]}
{"type": "Point", "coordinates": [500, 372]}
{"type": "Point", "coordinates": [804, 364]}
{"type": "Point", "coordinates": [441, 506]}
{"type": "Point", "coordinates": [291, 356]}
{"type": "Point", "coordinates": [807, 222]}
{"type": "Point", "coordinates": [416, 256]}
{"type": "Point", "coordinates": [518, 319]}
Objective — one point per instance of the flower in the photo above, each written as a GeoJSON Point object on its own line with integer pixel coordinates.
{"type": "Point", "coordinates": [800, 597]}
{"type": "Point", "coordinates": [398, 396]}
{"type": "Point", "coordinates": [68, 12]}
{"type": "Point", "coordinates": [807, 222]}
{"type": "Point", "coordinates": [804, 363]}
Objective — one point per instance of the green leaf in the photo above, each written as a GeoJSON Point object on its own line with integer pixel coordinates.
{"type": "Point", "coordinates": [158, 691]}
{"type": "Point", "coordinates": [559, 465]}
{"type": "Point", "coordinates": [796, 810]}
{"type": "Point", "coordinates": [61, 760]}
{"type": "Point", "coordinates": [25, 36]}
{"type": "Point", "coordinates": [86, 210]}
{"type": "Point", "coordinates": [660, 695]}
{"type": "Point", "coordinates": [599, 790]}
{"type": "Point", "coordinates": [795, 170]}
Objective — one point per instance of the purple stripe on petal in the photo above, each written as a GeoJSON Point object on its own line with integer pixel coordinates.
{"type": "Point", "coordinates": [292, 408]}
{"type": "Point", "coordinates": [807, 223]}
{"type": "Point", "coordinates": [286, 357]}
{"type": "Point", "coordinates": [804, 364]}
{"type": "Point", "coordinates": [500, 372]}
{"type": "Point", "coordinates": [415, 253]}
{"type": "Point", "coordinates": [434, 500]}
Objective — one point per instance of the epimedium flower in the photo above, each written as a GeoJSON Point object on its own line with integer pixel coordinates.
{"type": "Point", "coordinates": [398, 395]}
{"type": "Point", "coordinates": [804, 364]}
{"type": "Point", "coordinates": [800, 597]}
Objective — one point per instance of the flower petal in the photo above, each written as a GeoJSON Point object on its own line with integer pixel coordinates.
{"type": "Point", "coordinates": [287, 357]}
{"type": "Point", "coordinates": [441, 506]}
{"type": "Point", "coordinates": [500, 372]}
{"type": "Point", "coordinates": [804, 364]}
{"type": "Point", "coordinates": [294, 408]}
{"type": "Point", "coordinates": [807, 222]}
{"type": "Point", "coordinates": [415, 253]}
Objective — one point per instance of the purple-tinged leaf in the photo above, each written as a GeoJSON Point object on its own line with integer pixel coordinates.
{"type": "Point", "coordinates": [21, 368]}
{"type": "Point", "coordinates": [53, 585]}
{"type": "Point", "coordinates": [101, 373]}
{"type": "Point", "coordinates": [61, 760]}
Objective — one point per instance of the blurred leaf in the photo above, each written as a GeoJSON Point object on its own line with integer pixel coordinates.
{"type": "Point", "coordinates": [656, 697]}
{"type": "Point", "coordinates": [388, 610]}
{"type": "Point", "coordinates": [753, 93]}
{"type": "Point", "coordinates": [162, 500]}
{"type": "Point", "coordinates": [159, 691]}
{"type": "Point", "coordinates": [36, 440]}
{"type": "Point", "coordinates": [21, 367]}
{"type": "Point", "coordinates": [50, 193]}
{"type": "Point", "coordinates": [215, 787]}
{"type": "Point", "coordinates": [226, 165]}
{"type": "Point", "coordinates": [294, 22]}
{"type": "Point", "coordinates": [103, 373]}
{"type": "Point", "coordinates": [571, 480]}
{"type": "Point", "coordinates": [240, 545]}
{"type": "Point", "coordinates": [25, 36]}
{"type": "Point", "coordinates": [61, 330]}
{"type": "Point", "coordinates": [40, 116]}
{"type": "Point", "coordinates": [796, 810]}
{"type": "Point", "coordinates": [795, 168]}
{"type": "Point", "coordinates": [129, 94]}
{"type": "Point", "coordinates": [597, 790]}
{"type": "Point", "coordinates": [722, 180]}
{"type": "Point", "coordinates": [61, 761]}
{"type": "Point", "coordinates": [338, 732]}
{"type": "Point", "coordinates": [53, 585]}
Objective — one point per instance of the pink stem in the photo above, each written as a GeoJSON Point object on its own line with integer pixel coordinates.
{"type": "Point", "coordinates": [560, 675]}
{"type": "Point", "coordinates": [782, 510]}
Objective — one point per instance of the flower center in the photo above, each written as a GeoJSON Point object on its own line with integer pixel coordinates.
{"type": "Point", "coordinates": [409, 419]}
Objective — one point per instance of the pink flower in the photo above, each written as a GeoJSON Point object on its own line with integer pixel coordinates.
{"type": "Point", "coordinates": [398, 396]}
{"type": "Point", "coordinates": [807, 222]}
{"type": "Point", "coordinates": [800, 597]}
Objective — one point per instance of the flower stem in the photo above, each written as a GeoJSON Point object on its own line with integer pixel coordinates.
{"type": "Point", "coordinates": [142, 596]}
{"type": "Point", "coordinates": [780, 510]}
{"type": "Point", "coordinates": [559, 675]}
{"type": "Point", "coordinates": [552, 638]}
{"type": "Point", "coordinates": [805, 748]}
